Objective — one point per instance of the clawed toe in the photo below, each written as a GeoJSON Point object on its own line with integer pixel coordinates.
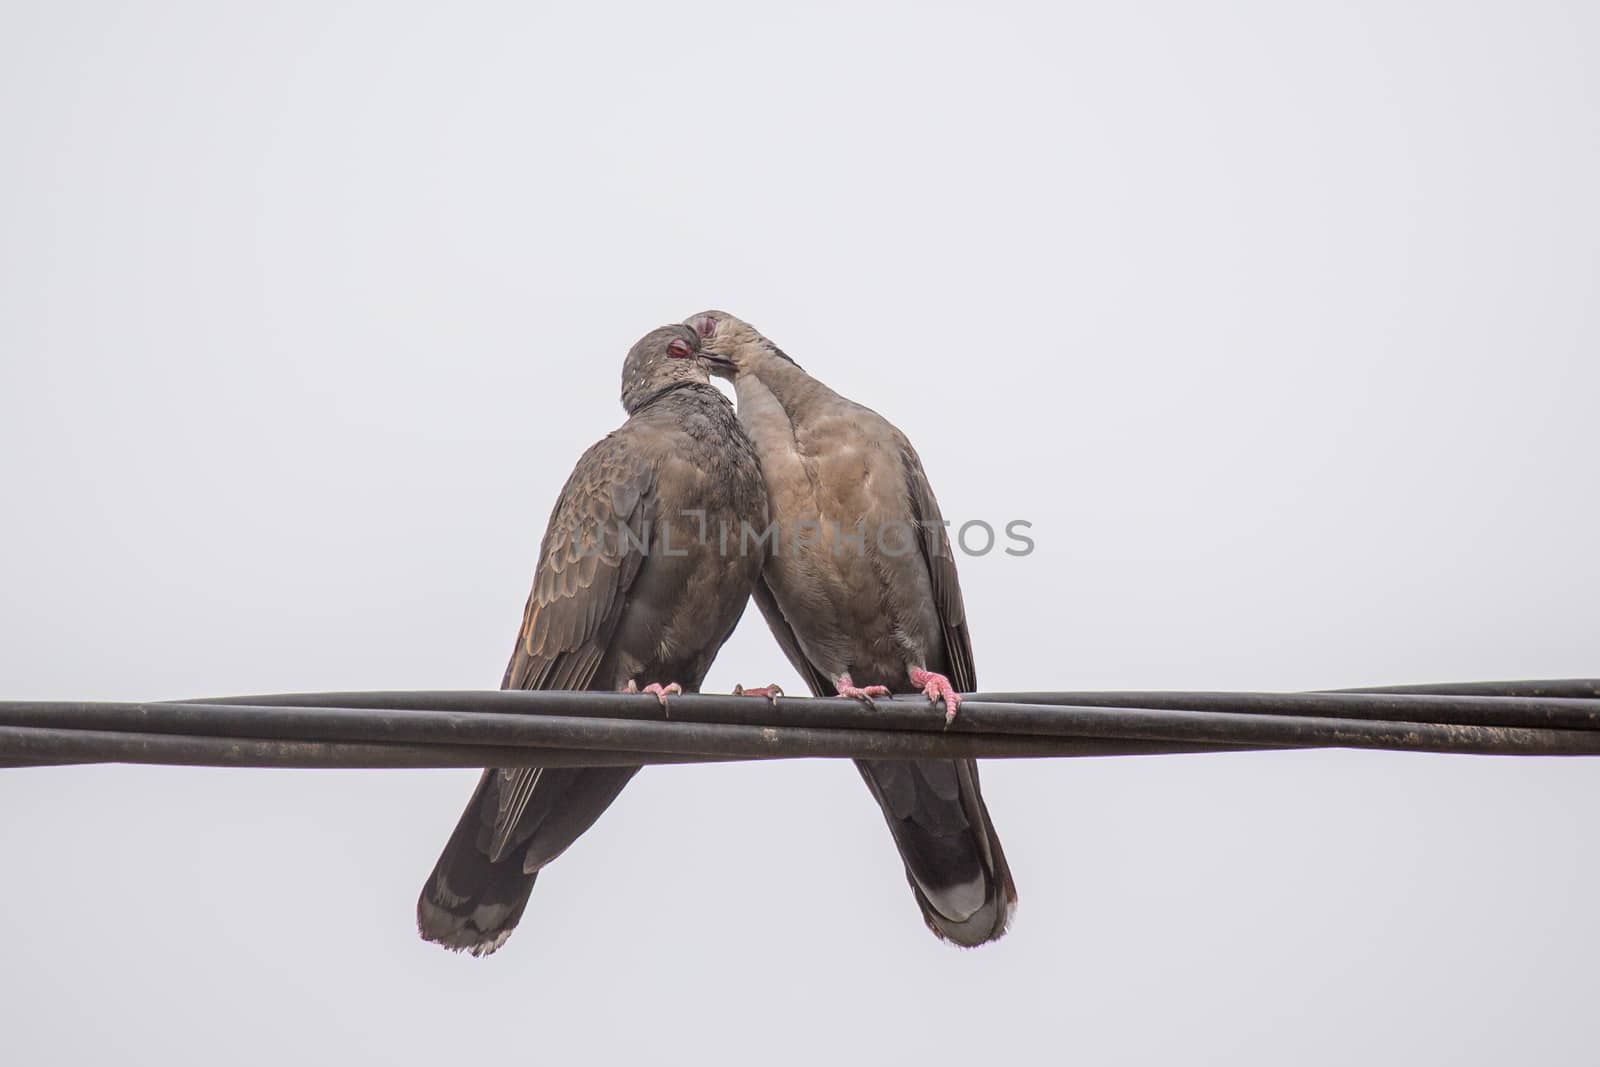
{"type": "Point", "coordinates": [663, 691]}
{"type": "Point", "coordinates": [655, 689]}
{"type": "Point", "coordinates": [771, 692]}
{"type": "Point", "coordinates": [937, 688]}
{"type": "Point", "coordinates": [847, 688]}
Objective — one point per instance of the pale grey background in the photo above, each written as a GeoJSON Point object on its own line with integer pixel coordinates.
{"type": "Point", "coordinates": [1277, 320]}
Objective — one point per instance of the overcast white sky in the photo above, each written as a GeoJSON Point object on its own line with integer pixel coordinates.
{"type": "Point", "coordinates": [1277, 321]}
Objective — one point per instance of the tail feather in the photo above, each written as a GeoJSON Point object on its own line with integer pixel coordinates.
{"type": "Point", "coordinates": [472, 902]}
{"type": "Point", "coordinates": [948, 843]}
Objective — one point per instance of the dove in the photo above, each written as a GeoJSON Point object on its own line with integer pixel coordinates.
{"type": "Point", "coordinates": [634, 591]}
{"type": "Point", "coordinates": [860, 591]}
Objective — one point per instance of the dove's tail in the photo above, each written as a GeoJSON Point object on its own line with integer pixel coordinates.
{"type": "Point", "coordinates": [515, 823]}
{"type": "Point", "coordinates": [952, 855]}
{"type": "Point", "coordinates": [469, 902]}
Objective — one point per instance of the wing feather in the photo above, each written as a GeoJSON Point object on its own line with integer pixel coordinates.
{"type": "Point", "coordinates": [815, 680]}
{"type": "Point", "coordinates": [587, 564]}
{"type": "Point", "coordinates": [941, 560]}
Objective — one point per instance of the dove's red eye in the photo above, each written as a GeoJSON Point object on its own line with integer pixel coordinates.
{"type": "Point", "coordinates": [706, 326]}
{"type": "Point", "coordinates": [678, 348]}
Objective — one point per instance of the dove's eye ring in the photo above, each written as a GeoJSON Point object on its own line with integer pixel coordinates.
{"type": "Point", "coordinates": [678, 348]}
{"type": "Point", "coordinates": [706, 326]}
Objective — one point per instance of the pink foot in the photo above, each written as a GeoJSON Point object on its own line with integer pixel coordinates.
{"type": "Point", "coordinates": [847, 688]}
{"type": "Point", "coordinates": [937, 687]}
{"type": "Point", "coordinates": [771, 692]}
{"type": "Point", "coordinates": [664, 691]}
{"type": "Point", "coordinates": [659, 691]}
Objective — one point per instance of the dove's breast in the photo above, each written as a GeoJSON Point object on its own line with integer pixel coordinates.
{"type": "Point", "coordinates": [846, 569]}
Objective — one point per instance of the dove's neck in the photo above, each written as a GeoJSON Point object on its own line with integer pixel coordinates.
{"type": "Point", "coordinates": [768, 377]}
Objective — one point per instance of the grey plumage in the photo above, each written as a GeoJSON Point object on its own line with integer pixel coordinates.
{"type": "Point", "coordinates": [626, 590]}
{"type": "Point", "coordinates": [862, 592]}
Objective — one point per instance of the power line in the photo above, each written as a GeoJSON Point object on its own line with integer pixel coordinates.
{"type": "Point", "coordinates": [472, 728]}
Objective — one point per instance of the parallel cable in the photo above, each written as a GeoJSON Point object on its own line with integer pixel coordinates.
{"type": "Point", "coordinates": [524, 728]}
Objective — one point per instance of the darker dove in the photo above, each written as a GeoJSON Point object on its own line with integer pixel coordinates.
{"type": "Point", "coordinates": [861, 591]}
{"type": "Point", "coordinates": [629, 592]}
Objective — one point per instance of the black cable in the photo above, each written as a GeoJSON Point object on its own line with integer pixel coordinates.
{"type": "Point", "coordinates": [496, 728]}
{"type": "Point", "coordinates": [618, 727]}
{"type": "Point", "coordinates": [1552, 687]}
{"type": "Point", "coordinates": [1469, 709]}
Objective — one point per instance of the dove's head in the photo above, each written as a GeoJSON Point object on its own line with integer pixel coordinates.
{"type": "Point", "coordinates": [729, 345]}
{"type": "Point", "coordinates": [662, 358]}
